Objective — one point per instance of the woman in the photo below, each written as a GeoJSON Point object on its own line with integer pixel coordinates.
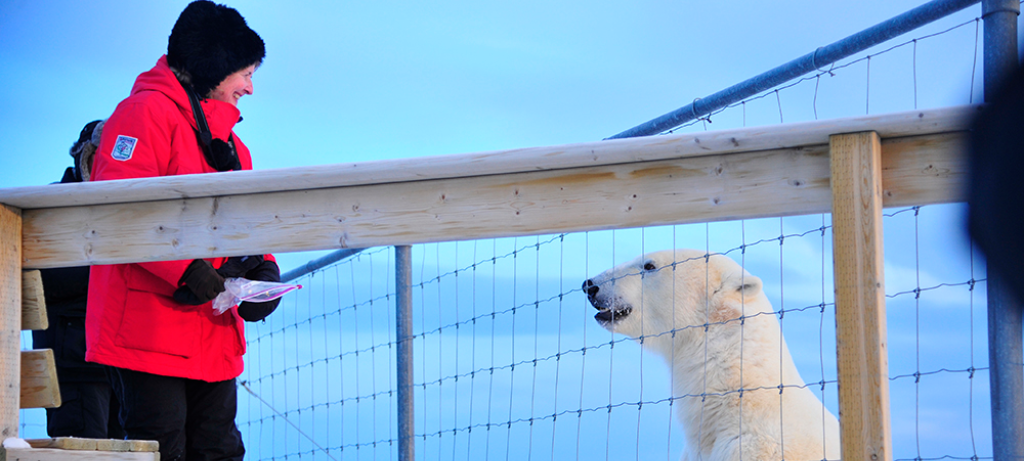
{"type": "Point", "coordinates": [172, 361]}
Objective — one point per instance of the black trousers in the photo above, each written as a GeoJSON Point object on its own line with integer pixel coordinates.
{"type": "Point", "coordinates": [192, 420]}
{"type": "Point", "coordinates": [88, 409]}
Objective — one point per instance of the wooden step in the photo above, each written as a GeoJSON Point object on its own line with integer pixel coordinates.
{"type": "Point", "coordinates": [56, 454]}
{"type": "Point", "coordinates": [33, 303]}
{"type": "Point", "coordinates": [39, 388]}
{"type": "Point", "coordinates": [80, 449]}
{"type": "Point", "coordinates": [78, 443]}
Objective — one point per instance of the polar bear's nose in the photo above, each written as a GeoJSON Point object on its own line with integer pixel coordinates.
{"type": "Point", "coordinates": [590, 288]}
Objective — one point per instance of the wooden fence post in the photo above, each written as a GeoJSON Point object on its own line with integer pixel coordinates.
{"type": "Point", "coordinates": [863, 365]}
{"type": "Point", "coordinates": [10, 320]}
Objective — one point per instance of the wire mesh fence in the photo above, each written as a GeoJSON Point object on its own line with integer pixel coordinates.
{"type": "Point", "coordinates": [510, 362]}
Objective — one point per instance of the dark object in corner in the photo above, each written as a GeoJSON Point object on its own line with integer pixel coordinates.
{"type": "Point", "coordinates": [995, 189]}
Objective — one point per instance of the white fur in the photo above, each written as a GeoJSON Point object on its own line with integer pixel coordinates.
{"type": "Point", "coordinates": [729, 355]}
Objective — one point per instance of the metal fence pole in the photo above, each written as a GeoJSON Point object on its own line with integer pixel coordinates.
{"type": "Point", "coordinates": [1005, 381]}
{"type": "Point", "coordinates": [319, 263]}
{"type": "Point", "coordinates": [403, 327]}
{"type": "Point", "coordinates": [1005, 354]}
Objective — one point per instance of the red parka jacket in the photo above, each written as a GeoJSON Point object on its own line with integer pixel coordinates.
{"type": "Point", "coordinates": [132, 321]}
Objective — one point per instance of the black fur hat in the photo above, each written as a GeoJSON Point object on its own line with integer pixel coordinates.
{"type": "Point", "coordinates": [210, 42]}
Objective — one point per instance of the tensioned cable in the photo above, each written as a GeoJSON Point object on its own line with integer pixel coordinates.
{"type": "Point", "coordinates": [341, 363]}
{"type": "Point", "coordinates": [672, 375]}
{"type": "Point", "coordinates": [455, 409]}
{"type": "Point", "coordinates": [558, 348]}
{"type": "Point", "coordinates": [440, 352]}
{"type": "Point", "coordinates": [536, 352]}
{"type": "Point", "coordinates": [373, 361]}
{"type": "Point", "coordinates": [867, 91]}
{"type": "Point", "coordinates": [583, 360]}
{"type": "Point", "coordinates": [974, 63]}
{"type": "Point", "coordinates": [472, 376]}
{"type": "Point", "coordinates": [640, 377]}
{"type": "Point", "coordinates": [327, 352]}
{"type": "Point", "coordinates": [355, 334]}
{"type": "Point", "coordinates": [970, 378]}
{"type": "Point", "coordinates": [392, 352]}
{"type": "Point", "coordinates": [782, 315]}
{"type": "Point", "coordinates": [312, 369]}
{"type": "Point", "coordinates": [423, 321]}
{"type": "Point", "coordinates": [917, 332]}
{"type": "Point", "coordinates": [611, 372]}
{"type": "Point", "coordinates": [494, 307]}
{"type": "Point", "coordinates": [297, 428]}
{"type": "Point", "coordinates": [821, 344]}
{"type": "Point", "coordinates": [743, 322]}
{"type": "Point", "coordinates": [512, 337]}
{"type": "Point", "coordinates": [707, 321]}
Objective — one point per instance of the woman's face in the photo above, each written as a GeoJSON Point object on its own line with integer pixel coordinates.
{"type": "Point", "coordinates": [234, 86]}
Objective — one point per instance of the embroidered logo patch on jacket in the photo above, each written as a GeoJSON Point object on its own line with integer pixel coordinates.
{"type": "Point", "coordinates": [123, 148]}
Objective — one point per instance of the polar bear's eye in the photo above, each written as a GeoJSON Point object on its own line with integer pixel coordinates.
{"type": "Point", "coordinates": [649, 266]}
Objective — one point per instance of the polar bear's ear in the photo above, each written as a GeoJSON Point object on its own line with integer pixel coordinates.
{"type": "Point", "coordinates": [741, 281]}
{"type": "Point", "coordinates": [737, 288]}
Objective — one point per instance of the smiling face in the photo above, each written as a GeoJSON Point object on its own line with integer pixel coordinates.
{"type": "Point", "coordinates": [234, 86]}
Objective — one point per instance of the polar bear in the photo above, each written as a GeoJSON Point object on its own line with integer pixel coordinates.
{"type": "Point", "coordinates": [710, 320]}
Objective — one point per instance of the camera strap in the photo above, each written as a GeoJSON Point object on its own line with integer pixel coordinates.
{"type": "Point", "coordinates": [219, 154]}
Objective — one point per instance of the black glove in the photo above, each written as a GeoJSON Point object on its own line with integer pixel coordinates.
{"type": "Point", "coordinates": [222, 156]}
{"type": "Point", "coordinates": [266, 271]}
{"type": "Point", "coordinates": [238, 266]}
{"type": "Point", "coordinates": [200, 284]}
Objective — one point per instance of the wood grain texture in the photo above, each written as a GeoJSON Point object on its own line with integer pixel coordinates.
{"type": "Point", "coordinates": [695, 189]}
{"type": "Point", "coordinates": [53, 454]}
{"type": "Point", "coordinates": [39, 387]}
{"type": "Point", "coordinates": [599, 153]}
{"type": "Point", "coordinates": [924, 170]}
{"type": "Point", "coordinates": [10, 319]}
{"type": "Point", "coordinates": [862, 357]}
{"type": "Point", "coordinates": [779, 182]}
{"type": "Point", "coordinates": [77, 443]}
{"type": "Point", "coordinates": [33, 302]}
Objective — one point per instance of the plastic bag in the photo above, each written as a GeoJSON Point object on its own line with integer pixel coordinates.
{"type": "Point", "coordinates": [237, 289]}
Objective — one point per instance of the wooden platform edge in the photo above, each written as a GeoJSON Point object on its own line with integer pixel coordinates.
{"type": "Point", "coordinates": [54, 454]}
{"type": "Point", "coordinates": [33, 303]}
{"type": "Point", "coordinates": [78, 443]}
{"type": "Point", "coordinates": [39, 388]}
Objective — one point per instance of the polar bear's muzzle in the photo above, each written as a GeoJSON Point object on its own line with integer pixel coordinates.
{"type": "Point", "coordinates": [612, 316]}
{"type": "Point", "coordinates": [609, 310]}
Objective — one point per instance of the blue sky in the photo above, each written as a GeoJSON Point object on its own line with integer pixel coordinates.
{"type": "Point", "coordinates": [362, 81]}
{"type": "Point", "coordinates": [358, 81]}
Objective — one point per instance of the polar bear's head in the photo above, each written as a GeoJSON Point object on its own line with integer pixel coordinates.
{"type": "Point", "coordinates": [672, 290]}
{"type": "Point", "coordinates": [700, 300]}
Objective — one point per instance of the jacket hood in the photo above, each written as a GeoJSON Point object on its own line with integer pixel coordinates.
{"type": "Point", "coordinates": [220, 116]}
